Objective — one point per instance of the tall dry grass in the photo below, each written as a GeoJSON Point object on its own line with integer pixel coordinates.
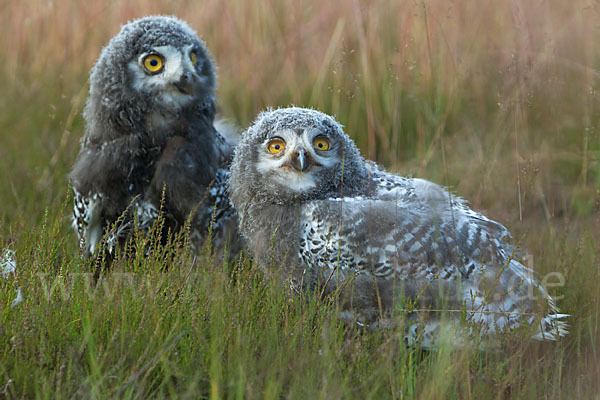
{"type": "Point", "coordinates": [508, 88]}
{"type": "Point", "coordinates": [498, 100]}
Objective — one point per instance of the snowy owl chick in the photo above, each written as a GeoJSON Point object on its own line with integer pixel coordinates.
{"type": "Point", "coordinates": [150, 130]}
{"type": "Point", "coordinates": [314, 211]}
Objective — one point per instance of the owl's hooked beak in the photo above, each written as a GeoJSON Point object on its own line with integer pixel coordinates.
{"type": "Point", "coordinates": [300, 160]}
{"type": "Point", "coordinates": [188, 83]}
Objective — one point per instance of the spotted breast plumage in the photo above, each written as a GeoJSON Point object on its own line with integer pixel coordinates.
{"type": "Point", "coordinates": [310, 205]}
{"type": "Point", "coordinates": [152, 146]}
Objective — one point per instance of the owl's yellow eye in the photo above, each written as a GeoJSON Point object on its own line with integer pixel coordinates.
{"type": "Point", "coordinates": [276, 146]}
{"type": "Point", "coordinates": [153, 63]}
{"type": "Point", "coordinates": [321, 143]}
{"type": "Point", "coordinates": [193, 57]}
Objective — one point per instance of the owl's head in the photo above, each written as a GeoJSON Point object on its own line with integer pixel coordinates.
{"type": "Point", "coordinates": [154, 65]}
{"type": "Point", "coordinates": [293, 154]}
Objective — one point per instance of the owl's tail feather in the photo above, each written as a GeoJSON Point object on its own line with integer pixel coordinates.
{"type": "Point", "coordinates": [433, 333]}
{"type": "Point", "coordinates": [552, 327]}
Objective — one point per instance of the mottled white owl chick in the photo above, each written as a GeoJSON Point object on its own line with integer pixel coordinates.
{"type": "Point", "coordinates": [150, 125]}
{"type": "Point", "coordinates": [313, 210]}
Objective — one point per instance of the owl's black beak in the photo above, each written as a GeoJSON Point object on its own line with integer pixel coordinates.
{"type": "Point", "coordinates": [300, 160]}
{"type": "Point", "coordinates": [188, 83]}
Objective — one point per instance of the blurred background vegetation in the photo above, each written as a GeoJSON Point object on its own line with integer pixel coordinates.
{"type": "Point", "coordinates": [499, 100]}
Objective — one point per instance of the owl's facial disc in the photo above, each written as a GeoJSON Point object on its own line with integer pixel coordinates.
{"type": "Point", "coordinates": [169, 73]}
{"type": "Point", "coordinates": [293, 158]}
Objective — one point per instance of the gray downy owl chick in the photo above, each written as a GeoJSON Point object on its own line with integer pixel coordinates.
{"type": "Point", "coordinates": [150, 128]}
{"type": "Point", "coordinates": [319, 215]}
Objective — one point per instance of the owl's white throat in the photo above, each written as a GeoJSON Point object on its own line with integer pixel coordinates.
{"type": "Point", "coordinates": [286, 176]}
{"type": "Point", "coordinates": [297, 181]}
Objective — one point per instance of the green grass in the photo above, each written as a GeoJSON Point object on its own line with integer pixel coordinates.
{"type": "Point", "coordinates": [500, 102]}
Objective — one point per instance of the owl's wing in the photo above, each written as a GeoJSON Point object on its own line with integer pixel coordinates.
{"type": "Point", "coordinates": [217, 217]}
{"type": "Point", "coordinates": [146, 214]}
{"type": "Point", "coordinates": [438, 220]}
{"type": "Point", "coordinates": [87, 220]}
{"type": "Point", "coordinates": [91, 226]}
{"type": "Point", "coordinates": [374, 236]}
{"type": "Point", "coordinates": [443, 255]}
